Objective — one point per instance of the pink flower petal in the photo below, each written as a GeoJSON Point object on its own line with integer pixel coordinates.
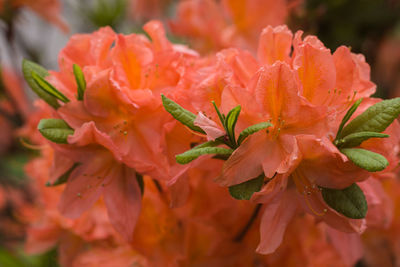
{"type": "Point", "coordinates": [122, 197]}
{"type": "Point", "coordinates": [274, 221]}
{"type": "Point", "coordinates": [210, 127]}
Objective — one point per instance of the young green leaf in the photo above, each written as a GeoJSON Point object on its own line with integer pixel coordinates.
{"type": "Point", "coordinates": [350, 201]}
{"type": "Point", "coordinates": [355, 139]}
{"type": "Point", "coordinates": [48, 88]}
{"type": "Point", "coordinates": [252, 129]}
{"type": "Point", "coordinates": [366, 159]}
{"type": "Point", "coordinates": [221, 117]}
{"type": "Point", "coordinates": [348, 115]}
{"type": "Point", "coordinates": [179, 113]}
{"type": "Point", "coordinates": [63, 178]}
{"type": "Point", "coordinates": [230, 123]}
{"type": "Point", "coordinates": [245, 190]}
{"type": "Point", "coordinates": [55, 130]}
{"type": "Point", "coordinates": [27, 68]}
{"type": "Point", "coordinates": [375, 119]}
{"type": "Point", "coordinates": [194, 153]}
{"type": "Point", "coordinates": [80, 81]}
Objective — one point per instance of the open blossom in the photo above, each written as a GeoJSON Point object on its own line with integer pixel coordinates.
{"type": "Point", "coordinates": [120, 127]}
{"type": "Point", "coordinates": [304, 95]}
{"type": "Point", "coordinates": [49, 227]}
{"type": "Point", "coordinates": [121, 151]}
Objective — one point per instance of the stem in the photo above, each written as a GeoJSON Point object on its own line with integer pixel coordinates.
{"type": "Point", "coordinates": [248, 225]}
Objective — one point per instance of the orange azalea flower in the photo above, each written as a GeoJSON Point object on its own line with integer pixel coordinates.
{"type": "Point", "coordinates": [143, 10]}
{"type": "Point", "coordinates": [130, 75]}
{"type": "Point", "coordinates": [298, 94]}
{"type": "Point", "coordinates": [380, 243]}
{"type": "Point", "coordinates": [99, 174]}
{"type": "Point", "coordinates": [315, 245]}
{"type": "Point", "coordinates": [116, 130]}
{"type": "Point", "coordinates": [236, 23]}
{"type": "Point", "coordinates": [48, 9]}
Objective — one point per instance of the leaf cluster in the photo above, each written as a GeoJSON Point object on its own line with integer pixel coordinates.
{"type": "Point", "coordinates": [371, 123]}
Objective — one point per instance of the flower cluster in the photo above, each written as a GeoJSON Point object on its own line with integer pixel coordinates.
{"type": "Point", "coordinates": [168, 157]}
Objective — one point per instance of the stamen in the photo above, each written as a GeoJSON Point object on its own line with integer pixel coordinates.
{"type": "Point", "coordinates": [312, 209]}
{"type": "Point", "coordinates": [302, 182]}
{"type": "Point", "coordinates": [30, 146]}
{"type": "Point", "coordinates": [349, 102]}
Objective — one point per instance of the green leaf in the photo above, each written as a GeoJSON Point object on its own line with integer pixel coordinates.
{"type": "Point", "coordinates": [179, 113]}
{"type": "Point", "coordinates": [252, 129]}
{"type": "Point", "coordinates": [355, 139]}
{"type": "Point", "coordinates": [375, 119]}
{"type": "Point", "coordinates": [366, 159]}
{"type": "Point", "coordinates": [80, 81]}
{"type": "Point", "coordinates": [211, 143]}
{"type": "Point", "coordinates": [55, 130]}
{"type": "Point", "coordinates": [221, 117]}
{"type": "Point", "coordinates": [48, 88]}
{"type": "Point", "coordinates": [230, 123]}
{"type": "Point", "coordinates": [246, 189]}
{"type": "Point", "coordinates": [348, 115]}
{"type": "Point", "coordinates": [350, 201]}
{"type": "Point", "coordinates": [27, 68]}
{"type": "Point", "coordinates": [194, 153]}
{"type": "Point", "coordinates": [63, 178]}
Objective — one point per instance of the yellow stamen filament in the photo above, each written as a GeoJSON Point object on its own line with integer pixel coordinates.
{"type": "Point", "coordinates": [332, 96]}
{"type": "Point", "coordinates": [305, 188]}
{"type": "Point", "coordinates": [30, 146]}
{"type": "Point", "coordinates": [349, 102]}
{"type": "Point", "coordinates": [278, 126]}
